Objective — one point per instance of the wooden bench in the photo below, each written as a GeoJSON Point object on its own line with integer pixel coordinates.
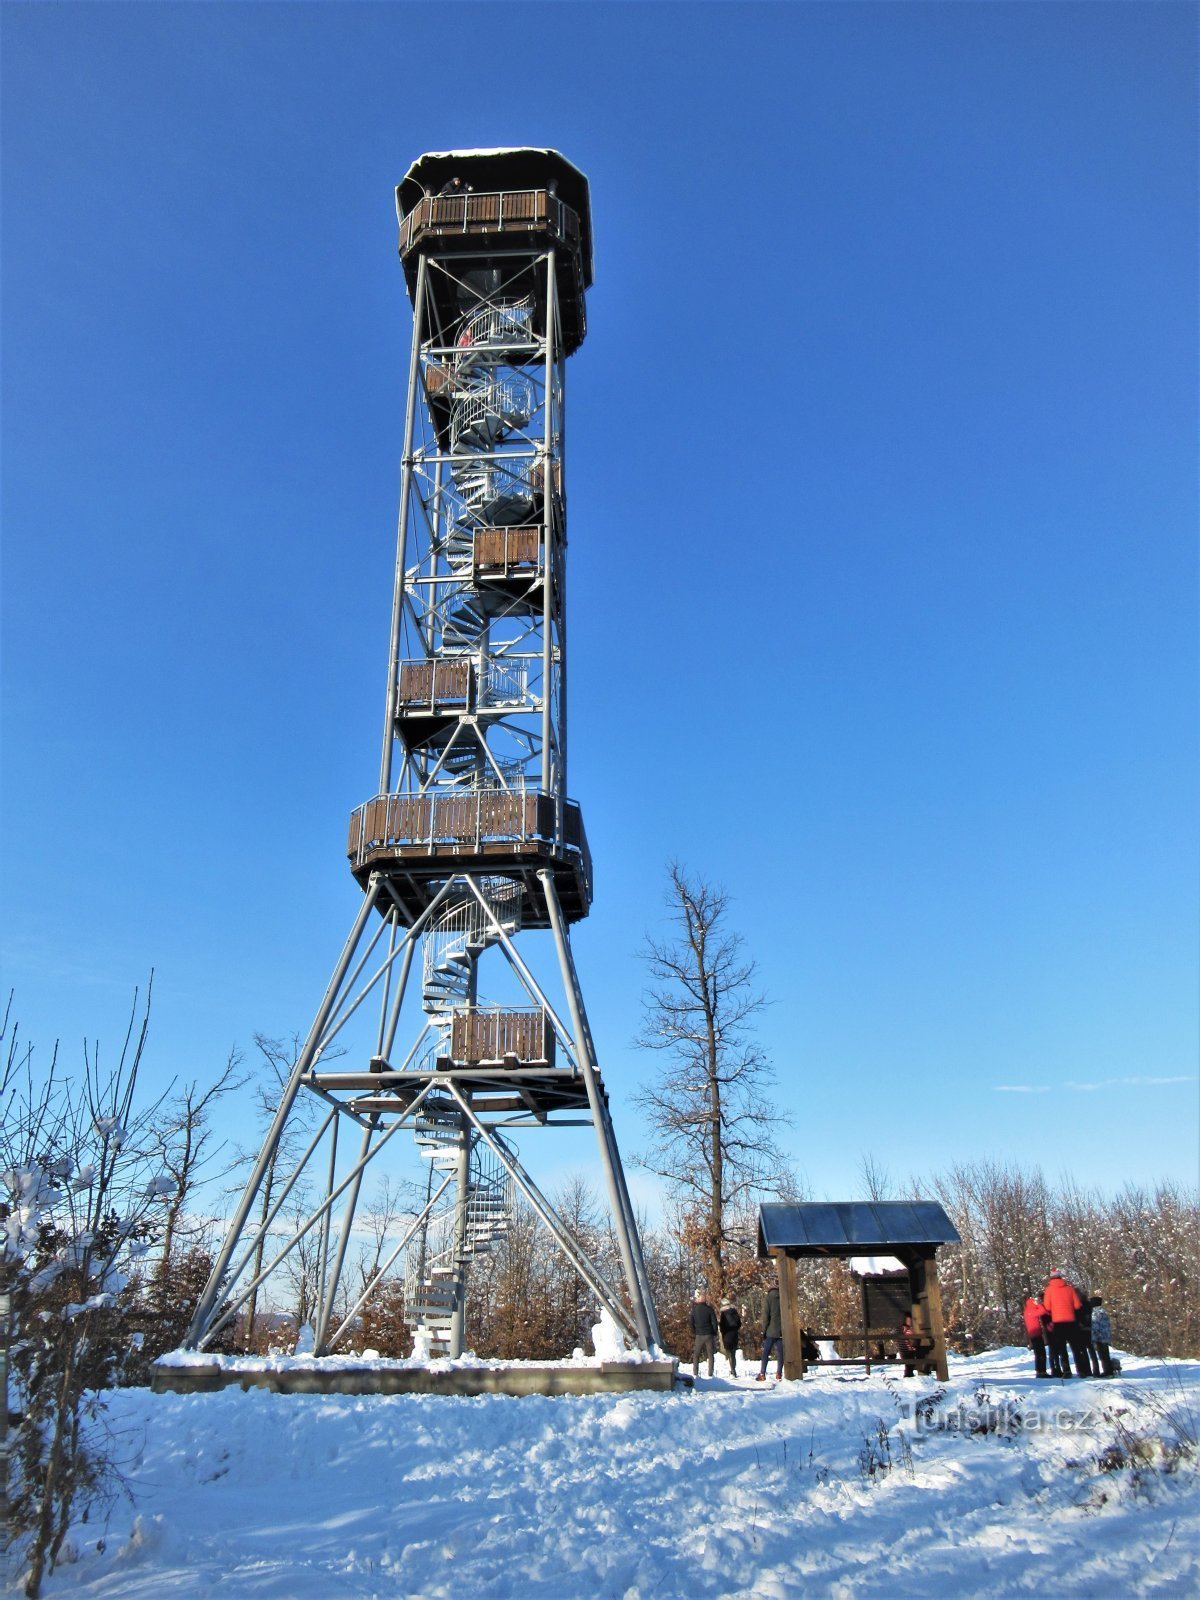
{"type": "Point", "coordinates": [922, 1356]}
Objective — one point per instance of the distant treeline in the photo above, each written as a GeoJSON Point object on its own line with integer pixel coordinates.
{"type": "Point", "coordinates": [1139, 1249]}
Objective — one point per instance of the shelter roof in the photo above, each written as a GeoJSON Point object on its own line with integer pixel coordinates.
{"type": "Point", "coordinates": [853, 1227]}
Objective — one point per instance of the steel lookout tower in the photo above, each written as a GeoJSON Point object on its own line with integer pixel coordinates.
{"type": "Point", "coordinates": [457, 979]}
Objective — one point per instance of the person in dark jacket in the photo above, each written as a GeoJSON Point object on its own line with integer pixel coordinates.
{"type": "Point", "coordinates": [704, 1334]}
{"type": "Point", "coordinates": [1062, 1303]}
{"type": "Point", "coordinates": [1037, 1323]}
{"type": "Point", "coordinates": [729, 1320]}
{"type": "Point", "coordinates": [1102, 1336]}
{"type": "Point", "coordinates": [772, 1335]}
{"type": "Point", "coordinates": [1084, 1349]}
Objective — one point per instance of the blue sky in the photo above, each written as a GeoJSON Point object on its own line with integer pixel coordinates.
{"type": "Point", "coordinates": [883, 515]}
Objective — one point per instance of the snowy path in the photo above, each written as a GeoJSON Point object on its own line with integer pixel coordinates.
{"type": "Point", "coordinates": [735, 1490]}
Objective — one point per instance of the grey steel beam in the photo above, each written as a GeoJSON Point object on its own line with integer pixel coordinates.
{"type": "Point", "coordinates": [208, 1299]}
{"type": "Point", "coordinates": [314, 1217]}
{"type": "Point", "coordinates": [603, 1291]}
{"type": "Point", "coordinates": [377, 1277]}
{"type": "Point", "coordinates": [609, 1160]}
{"type": "Point", "coordinates": [328, 1297]}
{"type": "Point", "coordinates": [280, 1199]}
{"type": "Point", "coordinates": [414, 387]}
{"type": "Point", "coordinates": [323, 1265]}
{"type": "Point", "coordinates": [547, 537]}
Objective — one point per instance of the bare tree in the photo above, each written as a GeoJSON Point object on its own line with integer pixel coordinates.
{"type": "Point", "coordinates": [378, 1324]}
{"type": "Point", "coordinates": [712, 1126]}
{"type": "Point", "coordinates": [278, 1061]}
{"type": "Point", "coordinates": [874, 1178]}
{"type": "Point", "coordinates": [185, 1134]}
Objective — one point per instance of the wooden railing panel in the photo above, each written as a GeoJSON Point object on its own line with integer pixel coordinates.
{"type": "Point", "coordinates": [435, 682]}
{"type": "Point", "coordinates": [477, 1036]}
{"type": "Point", "coordinates": [409, 816]}
{"type": "Point", "coordinates": [507, 547]}
{"type": "Point", "coordinates": [473, 821]}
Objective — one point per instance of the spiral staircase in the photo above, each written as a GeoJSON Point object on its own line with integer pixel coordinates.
{"type": "Point", "coordinates": [437, 1261]}
{"type": "Point", "coordinates": [488, 402]}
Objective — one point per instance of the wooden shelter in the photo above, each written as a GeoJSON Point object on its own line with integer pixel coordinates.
{"type": "Point", "coordinates": [909, 1230]}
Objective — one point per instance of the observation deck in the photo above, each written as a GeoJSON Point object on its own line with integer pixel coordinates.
{"type": "Point", "coordinates": [488, 208]}
{"type": "Point", "coordinates": [418, 841]}
{"type": "Point", "coordinates": [502, 1060]}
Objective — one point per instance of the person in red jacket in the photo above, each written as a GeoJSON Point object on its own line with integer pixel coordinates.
{"type": "Point", "coordinates": [1037, 1321]}
{"type": "Point", "coordinates": [1062, 1304]}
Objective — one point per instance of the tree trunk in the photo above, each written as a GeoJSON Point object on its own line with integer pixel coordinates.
{"type": "Point", "coordinates": [5, 1334]}
{"type": "Point", "coordinates": [40, 1548]}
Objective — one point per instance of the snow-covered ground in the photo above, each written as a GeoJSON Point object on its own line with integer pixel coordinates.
{"type": "Point", "coordinates": [834, 1486]}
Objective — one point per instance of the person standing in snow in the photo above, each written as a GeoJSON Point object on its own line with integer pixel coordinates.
{"type": "Point", "coordinates": [1102, 1336]}
{"type": "Point", "coordinates": [1062, 1304]}
{"type": "Point", "coordinates": [704, 1334]}
{"type": "Point", "coordinates": [772, 1335]}
{"type": "Point", "coordinates": [730, 1322]}
{"type": "Point", "coordinates": [1037, 1323]}
{"type": "Point", "coordinates": [1085, 1348]}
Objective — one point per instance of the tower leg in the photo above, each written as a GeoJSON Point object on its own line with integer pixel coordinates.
{"type": "Point", "coordinates": [603, 1291]}
{"type": "Point", "coordinates": [329, 1292]}
{"type": "Point", "coordinates": [643, 1309]}
{"type": "Point", "coordinates": [212, 1289]}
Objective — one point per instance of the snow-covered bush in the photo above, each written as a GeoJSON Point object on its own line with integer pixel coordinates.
{"type": "Point", "coordinates": [80, 1195]}
{"type": "Point", "coordinates": [1139, 1249]}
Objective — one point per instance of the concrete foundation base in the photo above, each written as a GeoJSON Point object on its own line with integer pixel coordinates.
{"type": "Point", "coordinates": [610, 1377]}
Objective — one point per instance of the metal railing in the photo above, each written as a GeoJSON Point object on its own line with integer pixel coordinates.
{"type": "Point", "coordinates": [460, 683]}
{"type": "Point", "coordinates": [467, 924]}
{"type": "Point", "coordinates": [469, 817]}
{"type": "Point", "coordinates": [483, 414]}
{"type": "Point", "coordinates": [495, 489]}
{"type": "Point", "coordinates": [495, 325]}
{"type": "Point", "coordinates": [504, 683]}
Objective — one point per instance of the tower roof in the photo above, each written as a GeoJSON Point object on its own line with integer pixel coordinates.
{"type": "Point", "coordinates": [509, 167]}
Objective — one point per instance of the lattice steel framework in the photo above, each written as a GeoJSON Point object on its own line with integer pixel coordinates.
{"type": "Point", "coordinates": [471, 851]}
